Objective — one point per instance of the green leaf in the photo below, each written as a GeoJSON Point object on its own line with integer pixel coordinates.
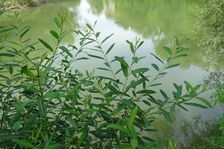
{"type": "Point", "coordinates": [2, 12]}
{"type": "Point", "coordinates": [143, 77]}
{"type": "Point", "coordinates": [168, 50]}
{"type": "Point", "coordinates": [2, 76]}
{"type": "Point", "coordinates": [53, 146]}
{"type": "Point", "coordinates": [29, 73]}
{"type": "Point", "coordinates": [157, 58]}
{"type": "Point", "coordinates": [154, 101]}
{"type": "Point", "coordinates": [134, 84]}
{"type": "Point", "coordinates": [155, 67]}
{"type": "Point", "coordinates": [156, 84]}
{"type": "Point", "coordinates": [124, 65]}
{"type": "Point", "coordinates": [24, 144]}
{"type": "Point", "coordinates": [164, 94]}
{"type": "Point", "coordinates": [6, 137]}
{"type": "Point", "coordinates": [146, 92]}
{"type": "Point", "coordinates": [46, 45]}
{"type": "Point", "coordinates": [123, 146]}
{"type": "Point", "coordinates": [11, 70]}
{"type": "Point", "coordinates": [137, 59]}
{"type": "Point", "coordinates": [195, 105]}
{"type": "Point", "coordinates": [82, 138]}
{"type": "Point", "coordinates": [97, 34]}
{"type": "Point", "coordinates": [89, 26]}
{"type": "Point", "coordinates": [24, 32]}
{"type": "Point", "coordinates": [17, 125]}
{"type": "Point", "coordinates": [54, 34]}
{"type": "Point", "coordinates": [105, 69]}
{"type": "Point", "coordinates": [181, 55]}
{"type": "Point", "coordinates": [189, 87]}
{"type": "Point", "coordinates": [140, 44]}
{"type": "Point", "coordinates": [131, 46]}
{"type": "Point", "coordinates": [147, 103]}
{"type": "Point", "coordinates": [56, 21]}
{"type": "Point", "coordinates": [140, 70]}
{"type": "Point", "coordinates": [110, 48]}
{"type": "Point", "coordinates": [134, 140]}
{"type": "Point", "coordinates": [117, 127]}
{"type": "Point", "coordinates": [104, 40]}
{"type": "Point", "coordinates": [6, 55]}
{"type": "Point", "coordinates": [82, 58]}
{"type": "Point", "coordinates": [113, 89]}
{"type": "Point", "coordinates": [177, 41]}
{"type": "Point", "coordinates": [204, 101]}
{"type": "Point", "coordinates": [131, 119]}
{"type": "Point", "coordinates": [134, 143]}
{"type": "Point", "coordinates": [178, 93]}
{"type": "Point", "coordinates": [171, 66]}
{"type": "Point", "coordinates": [167, 116]}
{"type": "Point", "coordinates": [64, 49]}
{"type": "Point", "coordinates": [95, 56]}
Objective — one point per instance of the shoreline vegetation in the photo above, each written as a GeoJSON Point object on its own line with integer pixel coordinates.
{"type": "Point", "coordinates": [21, 4]}
{"type": "Point", "coordinates": [48, 103]}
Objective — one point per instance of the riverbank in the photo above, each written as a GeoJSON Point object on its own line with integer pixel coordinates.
{"type": "Point", "coordinates": [17, 4]}
{"type": "Point", "coordinates": [20, 4]}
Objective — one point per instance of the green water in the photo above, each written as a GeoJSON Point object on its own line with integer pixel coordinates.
{"type": "Point", "coordinates": [157, 22]}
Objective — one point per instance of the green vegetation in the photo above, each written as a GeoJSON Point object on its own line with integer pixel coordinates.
{"type": "Point", "coordinates": [47, 103]}
{"type": "Point", "coordinates": [215, 80]}
{"type": "Point", "coordinates": [216, 141]}
{"type": "Point", "coordinates": [9, 3]}
{"type": "Point", "coordinates": [211, 26]}
{"type": "Point", "coordinates": [65, 85]}
{"type": "Point", "coordinates": [207, 135]}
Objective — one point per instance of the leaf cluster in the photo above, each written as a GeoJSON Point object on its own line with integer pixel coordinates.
{"type": "Point", "coordinates": [47, 103]}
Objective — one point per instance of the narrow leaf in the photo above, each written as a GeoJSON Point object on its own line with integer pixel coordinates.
{"type": "Point", "coordinates": [46, 45]}
{"type": "Point", "coordinates": [110, 48]}
{"type": "Point", "coordinates": [95, 56]}
{"type": "Point", "coordinates": [155, 67]}
{"type": "Point", "coordinates": [117, 127]}
{"type": "Point", "coordinates": [54, 34]}
{"type": "Point", "coordinates": [168, 50]}
{"type": "Point", "coordinates": [171, 66]}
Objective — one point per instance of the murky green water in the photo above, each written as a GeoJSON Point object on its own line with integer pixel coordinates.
{"type": "Point", "coordinates": [157, 22]}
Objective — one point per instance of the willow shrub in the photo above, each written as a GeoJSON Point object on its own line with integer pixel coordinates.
{"type": "Point", "coordinates": [47, 103]}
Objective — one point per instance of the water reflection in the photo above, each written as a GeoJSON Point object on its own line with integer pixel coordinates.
{"type": "Point", "coordinates": [156, 21]}
{"type": "Point", "coordinates": [41, 19]}
{"type": "Point", "coordinates": [153, 19]}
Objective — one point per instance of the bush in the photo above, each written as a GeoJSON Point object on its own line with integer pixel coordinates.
{"type": "Point", "coordinates": [211, 26]}
{"type": "Point", "coordinates": [207, 135]}
{"type": "Point", "coordinates": [47, 103]}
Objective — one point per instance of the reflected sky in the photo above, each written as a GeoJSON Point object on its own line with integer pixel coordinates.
{"type": "Point", "coordinates": [107, 24]}
{"type": "Point", "coordinates": [156, 22]}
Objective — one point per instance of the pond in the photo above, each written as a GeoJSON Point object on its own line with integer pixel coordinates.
{"type": "Point", "coordinates": [157, 22]}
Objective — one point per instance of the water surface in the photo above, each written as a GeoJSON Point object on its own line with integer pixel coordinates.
{"type": "Point", "coordinates": [157, 22]}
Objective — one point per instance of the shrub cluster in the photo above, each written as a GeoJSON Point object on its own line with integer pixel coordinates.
{"type": "Point", "coordinates": [45, 102]}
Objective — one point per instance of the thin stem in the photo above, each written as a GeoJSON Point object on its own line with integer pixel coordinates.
{"type": "Point", "coordinates": [104, 55]}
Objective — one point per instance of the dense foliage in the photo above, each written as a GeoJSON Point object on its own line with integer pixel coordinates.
{"type": "Point", "coordinates": [47, 103]}
{"type": "Point", "coordinates": [17, 3]}
{"type": "Point", "coordinates": [216, 81]}
{"type": "Point", "coordinates": [211, 25]}
{"type": "Point", "coordinates": [203, 134]}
